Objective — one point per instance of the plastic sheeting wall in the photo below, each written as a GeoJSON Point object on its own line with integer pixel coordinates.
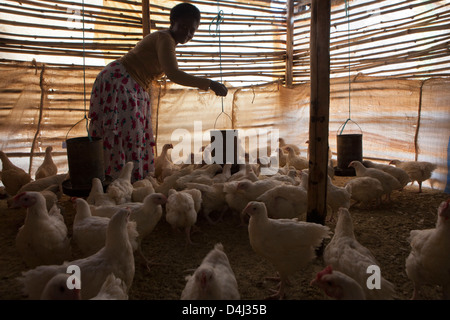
{"type": "Point", "coordinates": [399, 119]}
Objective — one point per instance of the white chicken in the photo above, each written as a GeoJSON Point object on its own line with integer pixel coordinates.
{"type": "Point", "coordinates": [290, 177]}
{"type": "Point", "coordinates": [13, 177]}
{"type": "Point", "coordinates": [141, 189]}
{"type": "Point", "coordinates": [89, 232]}
{"type": "Point", "coordinates": [163, 164]}
{"type": "Point", "coordinates": [304, 175]}
{"type": "Point", "coordinates": [171, 182]}
{"type": "Point", "coordinates": [112, 289]}
{"type": "Point", "coordinates": [337, 197]}
{"type": "Point", "coordinates": [196, 196]}
{"type": "Point", "coordinates": [145, 214]}
{"type": "Point", "coordinates": [147, 217]}
{"type": "Point", "coordinates": [148, 214]}
{"type": "Point", "coordinates": [57, 289]}
{"type": "Point", "coordinates": [283, 145]}
{"type": "Point", "coordinates": [330, 154]}
{"type": "Point", "coordinates": [51, 195]}
{"type": "Point", "coordinates": [418, 171]}
{"type": "Point", "coordinates": [45, 183]}
{"type": "Point", "coordinates": [428, 261]}
{"type": "Point", "coordinates": [388, 182]}
{"type": "Point", "coordinates": [115, 257]}
{"type": "Point", "coordinates": [224, 175]}
{"type": "Point", "coordinates": [279, 157]}
{"type": "Point", "coordinates": [364, 190]}
{"type": "Point", "coordinates": [48, 168]}
{"type": "Point", "coordinates": [288, 244]}
{"type": "Point", "coordinates": [151, 177]}
{"type": "Point", "coordinates": [235, 199]}
{"type": "Point", "coordinates": [50, 187]}
{"type": "Point", "coordinates": [246, 172]}
{"type": "Point", "coordinates": [252, 190]}
{"type": "Point", "coordinates": [180, 212]}
{"type": "Point", "coordinates": [43, 237]}
{"type": "Point", "coordinates": [204, 175]}
{"type": "Point", "coordinates": [338, 285]}
{"type": "Point", "coordinates": [213, 199]}
{"type": "Point", "coordinates": [345, 254]}
{"type": "Point", "coordinates": [97, 196]}
{"type": "Point", "coordinates": [398, 173]}
{"type": "Point", "coordinates": [285, 201]}
{"type": "Point", "coordinates": [120, 189]}
{"type": "Point", "coordinates": [214, 279]}
{"type": "Point", "coordinates": [296, 161]}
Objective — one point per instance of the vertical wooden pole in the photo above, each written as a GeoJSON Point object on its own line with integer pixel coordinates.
{"type": "Point", "coordinates": [145, 17]}
{"type": "Point", "coordinates": [289, 43]}
{"type": "Point", "coordinates": [319, 110]}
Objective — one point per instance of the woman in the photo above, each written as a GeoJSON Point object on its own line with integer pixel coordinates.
{"type": "Point", "coordinates": [120, 110]}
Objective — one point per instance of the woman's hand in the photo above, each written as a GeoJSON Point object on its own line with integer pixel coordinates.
{"type": "Point", "coordinates": [218, 88]}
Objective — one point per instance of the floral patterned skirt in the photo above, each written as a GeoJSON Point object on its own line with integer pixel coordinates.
{"type": "Point", "coordinates": [120, 113]}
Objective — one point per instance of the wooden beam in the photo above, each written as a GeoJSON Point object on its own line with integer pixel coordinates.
{"type": "Point", "coordinates": [145, 17]}
{"type": "Point", "coordinates": [289, 43]}
{"type": "Point", "coordinates": [319, 110]}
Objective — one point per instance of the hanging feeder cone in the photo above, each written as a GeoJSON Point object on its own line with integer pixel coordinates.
{"type": "Point", "coordinates": [224, 141]}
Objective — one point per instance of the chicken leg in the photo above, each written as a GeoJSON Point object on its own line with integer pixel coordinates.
{"type": "Point", "coordinates": [187, 230]}
{"type": "Point", "coordinates": [416, 292]}
{"type": "Point", "coordinates": [148, 262]}
{"type": "Point", "coordinates": [279, 290]}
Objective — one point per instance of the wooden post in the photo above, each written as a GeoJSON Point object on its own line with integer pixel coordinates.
{"type": "Point", "coordinates": [319, 111]}
{"type": "Point", "coordinates": [145, 17]}
{"type": "Point", "coordinates": [289, 43]}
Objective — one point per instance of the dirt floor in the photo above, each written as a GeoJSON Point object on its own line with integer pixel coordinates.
{"type": "Point", "coordinates": [384, 231]}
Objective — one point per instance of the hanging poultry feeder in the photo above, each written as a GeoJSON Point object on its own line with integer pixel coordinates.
{"type": "Point", "coordinates": [85, 160]}
{"type": "Point", "coordinates": [84, 154]}
{"type": "Point", "coordinates": [349, 145]}
{"type": "Point", "coordinates": [349, 148]}
{"type": "Point", "coordinates": [224, 147]}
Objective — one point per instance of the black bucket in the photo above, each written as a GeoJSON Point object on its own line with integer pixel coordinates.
{"type": "Point", "coordinates": [225, 142]}
{"type": "Point", "coordinates": [349, 148]}
{"type": "Point", "coordinates": [85, 159]}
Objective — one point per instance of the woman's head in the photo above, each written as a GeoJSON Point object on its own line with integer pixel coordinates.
{"type": "Point", "coordinates": [184, 21]}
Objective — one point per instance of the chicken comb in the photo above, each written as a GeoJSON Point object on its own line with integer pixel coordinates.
{"type": "Point", "coordinates": [443, 207]}
{"type": "Point", "coordinates": [327, 270]}
{"type": "Point", "coordinates": [18, 196]}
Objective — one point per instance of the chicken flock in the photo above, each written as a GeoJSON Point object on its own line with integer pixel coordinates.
{"type": "Point", "coordinates": [111, 223]}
